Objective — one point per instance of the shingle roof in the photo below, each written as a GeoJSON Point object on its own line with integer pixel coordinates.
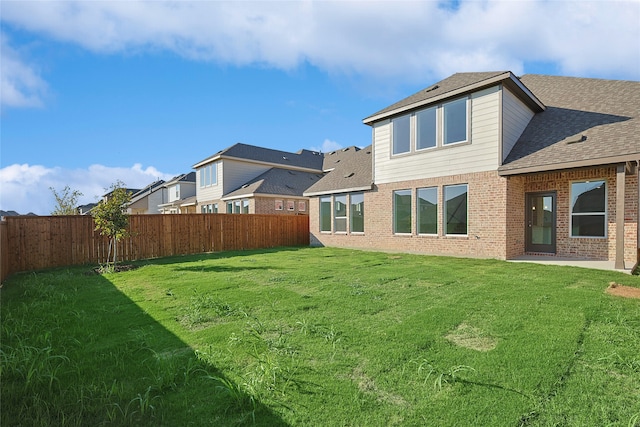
{"type": "Point", "coordinates": [455, 85]}
{"type": "Point", "coordinates": [331, 159]}
{"type": "Point", "coordinates": [352, 173]}
{"type": "Point", "coordinates": [276, 181]}
{"type": "Point", "coordinates": [587, 122]}
{"type": "Point", "coordinates": [304, 159]}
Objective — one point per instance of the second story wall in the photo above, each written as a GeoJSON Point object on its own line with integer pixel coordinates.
{"type": "Point", "coordinates": [230, 175]}
{"type": "Point", "coordinates": [515, 118]}
{"type": "Point", "coordinates": [480, 153]}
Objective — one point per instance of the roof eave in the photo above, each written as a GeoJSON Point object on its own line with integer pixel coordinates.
{"type": "Point", "coordinates": [337, 191]}
{"type": "Point", "coordinates": [570, 165]}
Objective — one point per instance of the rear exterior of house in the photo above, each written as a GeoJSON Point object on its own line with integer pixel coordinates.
{"type": "Point", "coordinates": [490, 165]}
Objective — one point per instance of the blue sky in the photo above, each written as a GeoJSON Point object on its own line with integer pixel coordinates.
{"type": "Point", "coordinates": [94, 92]}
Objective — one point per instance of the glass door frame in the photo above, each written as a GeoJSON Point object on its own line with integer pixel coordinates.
{"type": "Point", "coordinates": [530, 246]}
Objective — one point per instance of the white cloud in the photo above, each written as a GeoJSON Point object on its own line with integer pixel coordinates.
{"type": "Point", "coordinates": [415, 41]}
{"type": "Point", "coordinates": [25, 188]}
{"type": "Point", "coordinates": [20, 83]}
{"type": "Point", "coordinates": [327, 146]}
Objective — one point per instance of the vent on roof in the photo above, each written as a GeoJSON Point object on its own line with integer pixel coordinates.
{"type": "Point", "coordinates": [574, 139]}
{"type": "Point", "coordinates": [429, 89]}
{"type": "Point", "coordinates": [349, 175]}
{"type": "Point", "coordinates": [289, 187]}
{"type": "Point", "coordinates": [332, 153]}
{"type": "Point", "coordinates": [285, 157]}
{"type": "Point", "coordinates": [245, 186]}
{"type": "Point", "coordinates": [345, 149]}
{"type": "Point", "coordinates": [291, 172]}
{"type": "Point", "coordinates": [338, 161]}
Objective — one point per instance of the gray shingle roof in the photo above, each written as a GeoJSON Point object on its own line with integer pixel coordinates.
{"type": "Point", "coordinates": [304, 159]}
{"type": "Point", "coordinates": [352, 173]}
{"type": "Point", "coordinates": [587, 122]}
{"type": "Point", "coordinates": [276, 181]}
{"type": "Point", "coordinates": [333, 158]}
{"type": "Point", "coordinates": [452, 86]}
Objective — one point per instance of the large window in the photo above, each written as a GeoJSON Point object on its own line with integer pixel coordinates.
{"type": "Point", "coordinates": [401, 134]}
{"type": "Point", "coordinates": [209, 175]}
{"type": "Point", "coordinates": [340, 213]}
{"type": "Point", "coordinates": [245, 206]}
{"type": "Point", "coordinates": [455, 121]}
{"type": "Point", "coordinates": [455, 209]}
{"type": "Point", "coordinates": [356, 213]}
{"type": "Point", "coordinates": [402, 211]}
{"type": "Point", "coordinates": [426, 128]}
{"type": "Point", "coordinates": [589, 209]}
{"type": "Point", "coordinates": [428, 210]}
{"type": "Point", "coordinates": [325, 213]}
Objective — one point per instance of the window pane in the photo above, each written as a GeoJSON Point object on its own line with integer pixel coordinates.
{"type": "Point", "coordinates": [402, 211]}
{"type": "Point", "coordinates": [587, 197]}
{"type": "Point", "coordinates": [229, 207]}
{"type": "Point", "coordinates": [357, 213]}
{"type": "Point", "coordinates": [202, 177]}
{"type": "Point", "coordinates": [340, 211]}
{"type": "Point", "coordinates": [401, 135]}
{"type": "Point", "coordinates": [245, 206]}
{"type": "Point", "coordinates": [428, 210]}
{"type": "Point", "coordinates": [455, 121]}
{"type": "Point", "coordinates": [426, 128]}
{"type": "Point", "coordinates": [207, 175]}
{"type": "Point", "coordinates": [325, 214]}
{"type": "Point", "coordinates": [214, 174]}
{"type": "Point", "coordinates": [455, 209]}
{"type": "Point", "coordinates": [588, 226]}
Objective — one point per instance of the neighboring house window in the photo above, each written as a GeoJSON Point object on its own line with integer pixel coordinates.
{"type": "Point", "coordinates": [325, 213]}
{"type": "Point", "coordinates": [356, 212]}
{"type": "Point", "coordinates": [229, 207]}
{"type": "Point", "coordinates": [245, 206]}
{"type": "Point", "coordinates": [340, 213]}
{"type": "Point", "coordinates": [215, 208]}
{"type": "Point", "coordinates": [279, 205]}
{"type": "Point", "coordinates": [455, 121]}
{"type": "Point", "coordinates": [178, 192]}
{"type": "Point", "coordinates": [426, 128]}
{"type": "Point", "coordinates": [208, 175]}
{"type": "Point", "coordinates": [203, 209]}
{"type": "Point", "coordinates": [401, 134]}
{"type": "Point", "coordinates": [402, 211]}
{"type": "Point", "coordinates": [291, 205]}
{"type": "Point", "coordinates": [302, 206]}
{"type": "Point", "coordinates": [236, 207]}
{"type": "Point", "coordinates": [589, 209]}
{"type": "Point", "coordinates": [455, 209]}
{"type": "Point", "coordinates": [427, 210]}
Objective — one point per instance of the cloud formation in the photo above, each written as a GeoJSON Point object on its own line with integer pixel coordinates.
{"type": "Point", "coordinates": [20, 83]}
{"type": "Point", "coordinates": [24, 188]}
{"type": "Point", "coordinates": [415, 41]}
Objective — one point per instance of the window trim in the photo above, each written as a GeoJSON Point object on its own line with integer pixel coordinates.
{"type": "Point", "coordinates": [351, 211]}
{"type": "Point", "coordinates": [394, 215]}
{"type": "Point", "coordinates": [320, 222]}
{"type": "Point", "coordinates": [341, 218]}
{"type": "Point", "coordinates": [467, 121]}
{"type": "Point", "coordinates": [445, 222]}
{"type": "Point", "coordinates": [434, 187]}
{"type": "Point", "coordinates": [604, 214]}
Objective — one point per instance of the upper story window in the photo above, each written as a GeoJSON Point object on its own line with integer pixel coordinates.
{"type": "Point", "coordinates": [209, 175]}
{"type": "Point", "coordinates": [436, 126]}
{"type": "Point", "coordinates": [402, 134]}
{"type": "Point", "coordinates": [455, 121]}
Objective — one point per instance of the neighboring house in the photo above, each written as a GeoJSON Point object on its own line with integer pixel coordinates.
{"type": "Point", "coordinates": [249, 179]}
{"type": "Point", "coordinates": [86, 209]}
{"type": "Point", "coordinates": [147, 200]}
{"type": "Point", "coordinates": [181, 195]}
{"type": "Point", "coordinates": [491, 165]}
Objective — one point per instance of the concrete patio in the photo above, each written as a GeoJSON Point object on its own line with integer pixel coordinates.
{"type": "Point", "coordinates": [573, 262]}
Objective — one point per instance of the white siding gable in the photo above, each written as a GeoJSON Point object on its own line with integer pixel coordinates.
{"type": "Point", "coordinates": [481, 154]}
{"type": "Point", "coordinates": [515, 118]}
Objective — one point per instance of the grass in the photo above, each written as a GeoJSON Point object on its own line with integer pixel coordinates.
{"type": "Point", "coordinates": [320, 336]}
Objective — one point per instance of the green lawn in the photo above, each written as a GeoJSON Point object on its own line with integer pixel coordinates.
{"type": "Point", "coordinates": [320, 337]}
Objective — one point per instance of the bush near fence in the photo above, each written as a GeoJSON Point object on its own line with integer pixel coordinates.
{"type": "Point", "coordinates": [36, 242]}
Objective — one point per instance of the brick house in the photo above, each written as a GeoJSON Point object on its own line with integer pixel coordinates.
{"type": "Point", "coordinates": [495, 166]}
{"type": "Point", "coordinates": [246, 179]}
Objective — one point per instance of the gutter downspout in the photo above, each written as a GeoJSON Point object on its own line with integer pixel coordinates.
{"type": "Point", "coordinates": [620, 184]}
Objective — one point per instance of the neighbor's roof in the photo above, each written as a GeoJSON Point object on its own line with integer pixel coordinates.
{"type": "Point", "coordinates": [276, 182]}
{"type": "Point", "coordinates": [140, 194]}
{"type": "Point", "coordinates": [185, 177]}
{"type": "Point", "coordinates": [454, 86]}
{"type": "Point", "coordinates": [587, 122]}
{"type": "Point", "coordinates": [352, 172]}
{"type": "Point", "coordinates": [331, 159]}
{"type": "Point", "coordinates": [303, 159]}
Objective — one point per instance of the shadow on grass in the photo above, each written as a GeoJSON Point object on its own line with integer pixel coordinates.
{"type": "Point", "coordinates": [74, 350]}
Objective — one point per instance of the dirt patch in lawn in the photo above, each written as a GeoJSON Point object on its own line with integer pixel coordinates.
{"type": "Point", "coordinates": [470, 337]}
{"type": "Point", "coordinates": [623, 291]}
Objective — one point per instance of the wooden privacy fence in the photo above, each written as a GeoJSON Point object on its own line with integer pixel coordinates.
{"type": "Point", "coordinates": [35, 242]}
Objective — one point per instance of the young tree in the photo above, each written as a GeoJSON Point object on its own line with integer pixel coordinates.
{"type": "Point", "coordinates": [66, 201]}
{"type": "Point", "coordinates": [111, 218]}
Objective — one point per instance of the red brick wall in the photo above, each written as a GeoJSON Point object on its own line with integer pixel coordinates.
{"type": "Point", "coordinates": [496, 217]}
{"type": "Point", "coordinates": [486, 237]}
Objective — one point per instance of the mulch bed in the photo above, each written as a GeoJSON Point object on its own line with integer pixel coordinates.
{"type": "Point", "coordinates": [623, 291]}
